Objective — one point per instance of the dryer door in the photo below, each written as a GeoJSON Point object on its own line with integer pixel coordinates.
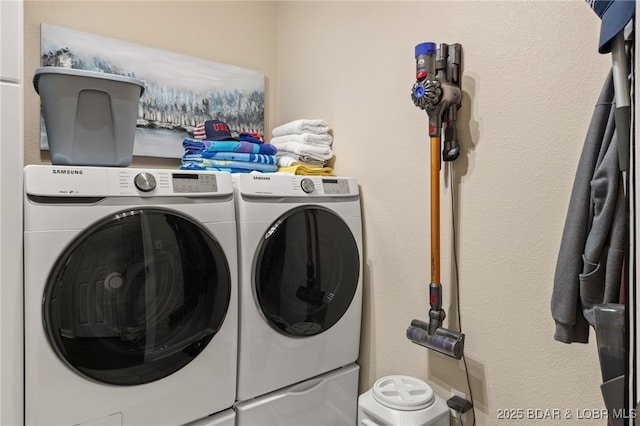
{"type": "Point", "coordinates": [136, 296]}
{"type": "Point", "coordinates": [306, 271]}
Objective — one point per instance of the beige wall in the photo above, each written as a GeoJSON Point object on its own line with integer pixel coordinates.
{"type": "Point", "coordinates": [531, 77]}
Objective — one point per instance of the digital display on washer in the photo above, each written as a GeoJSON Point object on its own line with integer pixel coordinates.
{"type": "Point", "coordinates": [194, 182]}
{"type": "Point", "coordinates": [335, 186]}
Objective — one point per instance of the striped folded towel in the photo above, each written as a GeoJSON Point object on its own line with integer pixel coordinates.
{"type": "Point", "coordinates": [228, 146]}
{"type": "Point", "coordinates": [303, 125]}
{"type": "Point", "coordinates": [233, 156]}
{"type": "Point", "coordinates": [218, 169]}
{"type": "Point", "coordinates": [225, 165]}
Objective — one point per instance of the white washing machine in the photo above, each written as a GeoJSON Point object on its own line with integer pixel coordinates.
{"type": "Point", "coordinates": [130, 295]}
{"type": "Point", "coordinates": [300, 278]}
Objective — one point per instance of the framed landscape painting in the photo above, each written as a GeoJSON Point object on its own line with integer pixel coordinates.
{"type": "Point", "coordinates": [180, 91]}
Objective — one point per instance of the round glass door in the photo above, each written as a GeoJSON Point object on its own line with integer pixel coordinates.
{"type": "Point", "coordinates": [136, 297]}
{"type": "Point", "coordinates": [307, 271]}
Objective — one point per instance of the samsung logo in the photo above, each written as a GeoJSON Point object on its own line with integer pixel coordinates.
{"type": "Point", "coordinates": [261, 178]}
{"type": "Point", "coordinates": [66, 172]}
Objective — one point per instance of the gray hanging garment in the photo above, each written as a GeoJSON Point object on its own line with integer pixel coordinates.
{"type": "Point", "coordinates": [592, 249]}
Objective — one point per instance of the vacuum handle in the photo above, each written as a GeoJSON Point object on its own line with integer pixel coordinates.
{"type": "Point", "coordinates": [435, 209]}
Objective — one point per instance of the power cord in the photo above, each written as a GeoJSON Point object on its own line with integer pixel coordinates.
{"type": "Point", "coordinates": [457, 282]}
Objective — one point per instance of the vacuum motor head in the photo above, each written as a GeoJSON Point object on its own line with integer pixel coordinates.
{"type": "Point", "coordinates": [447, 342]}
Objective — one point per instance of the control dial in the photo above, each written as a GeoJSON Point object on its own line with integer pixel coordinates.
{"type": "Point", "coordinates": [307, 185]}
{"type": "Point", "coordinates": [145, 181]}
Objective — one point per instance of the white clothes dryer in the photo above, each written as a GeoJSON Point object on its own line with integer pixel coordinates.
{"type": "Point", "coordinates": [300, 278]}
{"type": "Point", "coordinates": [130, 291]}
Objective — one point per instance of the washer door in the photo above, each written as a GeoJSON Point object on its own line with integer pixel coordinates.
{"type": "Point", "coordinates": [136, 297]}
{"type": "Point", "coordinates": [306, 271]}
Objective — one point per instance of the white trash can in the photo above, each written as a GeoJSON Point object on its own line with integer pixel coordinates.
{"type": "Point", "coordinates": [401, 400]}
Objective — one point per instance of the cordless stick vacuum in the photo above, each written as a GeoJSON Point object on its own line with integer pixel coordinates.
{"type": "Point", "coordinates": [437, 91]}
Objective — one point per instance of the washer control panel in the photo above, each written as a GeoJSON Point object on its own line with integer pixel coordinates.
{"type": "Point", "coordinates": [194, 182]}
{"type": "Point", "coordinates": [115, 181]}
{"type": "Point", "coordinates": [165, 182]}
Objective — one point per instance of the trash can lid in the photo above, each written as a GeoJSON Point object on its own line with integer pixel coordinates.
{"type": "Point", "coordinates": [403, 393]}
{"type": "Point", "coordinates": [84, 73]}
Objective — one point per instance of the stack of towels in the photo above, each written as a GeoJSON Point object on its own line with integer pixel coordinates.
{"type": "Point", "coordinates": [213, 147]}
{"type": "Point", "coordinates": [303, 147]}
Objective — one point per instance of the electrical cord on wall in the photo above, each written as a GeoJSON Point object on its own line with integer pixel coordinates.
{"type": "Point", "coordinates": [457, 282]}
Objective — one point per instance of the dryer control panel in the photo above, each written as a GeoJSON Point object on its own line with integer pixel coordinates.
{"type": "Point", "coordinates": [273, 185]}
{"type": "Point", "coordinates": [335, 186]}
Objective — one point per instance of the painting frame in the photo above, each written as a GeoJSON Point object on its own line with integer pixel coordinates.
{"type": "Point", "coordinates": [181, 91]}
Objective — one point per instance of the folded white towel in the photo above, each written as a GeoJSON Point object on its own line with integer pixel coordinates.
{"type": "Point", "coordinates": [312, 151]}
{"type": "Point", "coordinates": [291, 159]}
{"type": "Point", "coordinates": [303, 125]}
{"type": "Point", "coordinates": [322, 139]}
{"type": "Point", "coordinates": [287, 159]}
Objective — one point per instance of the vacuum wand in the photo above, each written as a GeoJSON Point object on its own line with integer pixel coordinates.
{"type": "Point", "coordinates": [437, 91]}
